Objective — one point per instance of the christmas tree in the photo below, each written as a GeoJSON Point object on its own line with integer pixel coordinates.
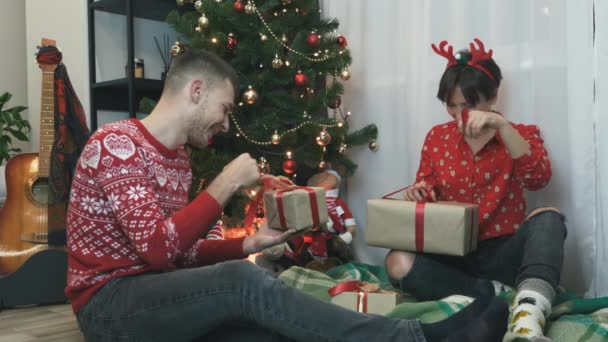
{"type": "Point", "coordinates": [291, 64]}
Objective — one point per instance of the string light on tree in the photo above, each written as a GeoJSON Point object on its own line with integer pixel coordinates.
{"type": "Point", "coordinates": [322, 165]}
{"type": "Point", "coordinates": [342, 148]}
{"type": "Point", "coordinates": [250, 96]}
{"type": "Point", "coordinates": [285, 2]}
{"type": "Point", "coordinates": [263, 38]}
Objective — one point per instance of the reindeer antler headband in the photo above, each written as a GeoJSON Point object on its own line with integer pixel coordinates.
{"type": "Point", "coordinates": [478, 54]}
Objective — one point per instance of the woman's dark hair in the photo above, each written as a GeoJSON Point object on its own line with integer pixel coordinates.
{"type": "Point", "coordinates": [472, 81]}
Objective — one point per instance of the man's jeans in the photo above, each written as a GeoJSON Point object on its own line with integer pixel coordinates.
{"type": "Point", "coordinates": [233, 300]}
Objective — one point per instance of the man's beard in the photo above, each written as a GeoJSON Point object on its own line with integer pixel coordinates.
{"type": "Point", "coordinates": [197, 134]}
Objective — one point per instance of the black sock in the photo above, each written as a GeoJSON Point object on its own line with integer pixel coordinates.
{"type": "Point", "coordinates": [479, 321]}
{"type": "Point", "coordinates": [490, 327]}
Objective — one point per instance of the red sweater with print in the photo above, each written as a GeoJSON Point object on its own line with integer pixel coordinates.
{"type": "Point", "coordinates": [490, 178]}
{"type": "Point", "coordinates": [129, 213]}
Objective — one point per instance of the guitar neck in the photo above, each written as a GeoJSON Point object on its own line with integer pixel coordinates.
{"type": "Point", "coordinates": [47, 122]}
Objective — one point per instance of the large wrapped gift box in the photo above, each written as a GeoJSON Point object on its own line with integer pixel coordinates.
{"type": "Point", "coordinates": [298, 207]}
{"type": "Point", "coordinates": [363, 297]}
{"type": "Point", "coordinates": [433, 227]}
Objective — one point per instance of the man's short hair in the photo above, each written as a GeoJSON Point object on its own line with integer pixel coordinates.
{"type": "Point", "coordinates": [197, 62]}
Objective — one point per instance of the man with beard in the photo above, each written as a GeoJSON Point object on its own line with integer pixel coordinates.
{"type": "Point", "coordinates": [138, 268]}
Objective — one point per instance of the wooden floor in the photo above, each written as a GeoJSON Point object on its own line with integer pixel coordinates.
{"type": "Point", "coordinates": [44, 323]}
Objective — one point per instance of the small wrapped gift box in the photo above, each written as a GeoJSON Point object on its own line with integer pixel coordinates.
{"type": "Point", "coordinates": [433, 227]}
{"type": "Point", "coordinates": [296, 207]}
{"type": "Point", "coordinates": [363, 297]}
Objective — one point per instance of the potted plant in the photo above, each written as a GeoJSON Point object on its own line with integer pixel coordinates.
{"type": "Point", "coordinates": [12, 124]}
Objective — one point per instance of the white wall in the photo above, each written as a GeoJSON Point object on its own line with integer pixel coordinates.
{"type": "Point", "coordinates": [13, 67]}
{"type": "Point", "coordinates": [66, 22]}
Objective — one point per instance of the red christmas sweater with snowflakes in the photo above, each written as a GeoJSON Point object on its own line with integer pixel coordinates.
{"type": "Point", "coordinates": [129, 213]}
{"type": "Point", "coordinates": [490, 178]}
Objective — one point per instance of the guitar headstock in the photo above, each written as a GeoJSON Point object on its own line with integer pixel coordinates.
{"type": "Point", "coordinates": [46, 67]}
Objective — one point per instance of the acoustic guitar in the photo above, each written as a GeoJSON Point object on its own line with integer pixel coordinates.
{"type": "Point", "coordinates": [31, 213]}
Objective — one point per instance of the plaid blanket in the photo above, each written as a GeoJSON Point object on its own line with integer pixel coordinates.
{"type": "Point", "coordinates": [573, 319]}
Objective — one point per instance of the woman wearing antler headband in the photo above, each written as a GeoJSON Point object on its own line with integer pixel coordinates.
{"type": "Point", "coordinates": [480, 157]}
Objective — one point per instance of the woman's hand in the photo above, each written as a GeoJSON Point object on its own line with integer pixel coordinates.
{"type": "Point", "coordinates": [419, 192]}
{"type": "Point", "coordinates": [475, 123]}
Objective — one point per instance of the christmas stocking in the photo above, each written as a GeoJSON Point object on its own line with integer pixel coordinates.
{"type": "Point", "coordinates": [528, 314]}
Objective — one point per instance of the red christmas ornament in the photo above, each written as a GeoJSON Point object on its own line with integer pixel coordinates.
{"type": "Point", "coordinates": [239, 6]}
{"type": "Point", "coordinates": [313, 40]}
{"type": "Point", "coordinates": [335, 103]}
{"type": "Point", "coordinates": [341, 40]}
{"type": "Point", "coordinates": [300, 79]}
{"type": "Point", "coordinates": [231, 43]}
{"type": "Point", "coordinates": [290, 166]}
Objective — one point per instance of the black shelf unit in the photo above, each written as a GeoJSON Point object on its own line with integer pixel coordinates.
{"type": "Point", "coordinates": [123, 94]}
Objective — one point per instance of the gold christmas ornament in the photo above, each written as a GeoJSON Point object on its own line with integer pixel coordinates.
{"type": "Point", "coordinates": [373, 145]}
{"type": "Point", "coordinates": [345, 74]}
{"type": "Point", "coordinates": [277, 63]}
{"type": "Point", "coordinates": [198, 5]}
{"type": "Point", "coordinates": [322, 165]}
{"type": "Point", "coordinates": [342, 148]}
{"type": "Point", "coordinates": [324, 138]}
{"type": "Point", "coordinates": [276, 138]}
{"type": "Point", "coordinates": [263, 165]}
{"type": "Point", "coordinates": [250, 96]}
{"type": "Point", "coordinates": [249, 9]}
{"type": "Point", "coordinates": [177, 49]}
{"type": "Point", "coordinates": [203, 22]}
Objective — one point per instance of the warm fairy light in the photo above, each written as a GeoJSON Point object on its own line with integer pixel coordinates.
{"type": "Point", "coordinates": [289, 154]}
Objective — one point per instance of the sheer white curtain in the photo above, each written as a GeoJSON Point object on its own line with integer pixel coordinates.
{"type": "Point", "coordinates": [549, 61]}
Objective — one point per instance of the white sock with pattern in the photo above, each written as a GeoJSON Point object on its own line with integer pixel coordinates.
{"type": "Point", "coordinates": [528, 314]}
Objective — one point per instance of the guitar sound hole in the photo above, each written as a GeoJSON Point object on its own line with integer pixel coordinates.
{"type": "Point", "coordinates": [40, 192]}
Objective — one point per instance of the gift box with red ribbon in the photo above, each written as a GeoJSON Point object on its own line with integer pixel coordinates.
{"type": "Point", "coordinates": [363, 297]}
{"type": "Point", "coordinates": [447, 228]}
{"type": "Point", "coordinates": [296, 207]}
